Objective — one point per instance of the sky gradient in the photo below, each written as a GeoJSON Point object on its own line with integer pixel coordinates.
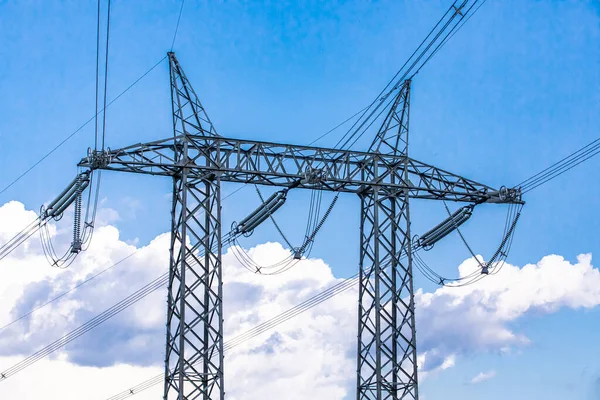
{"type": "Point", "coordinates": [514, 91]}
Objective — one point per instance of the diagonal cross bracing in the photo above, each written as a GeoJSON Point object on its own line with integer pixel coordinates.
{"type": "Point", "coordinates": [198, 160]}
{"type": "Point", "coordinates": [387, 351]}
{"type": "Point", "coordinates": [275, 164]}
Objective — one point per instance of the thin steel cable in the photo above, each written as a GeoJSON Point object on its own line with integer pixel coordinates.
{"type": "Point", "coordinates": [69, 291]}
{"type": "Point", "coordinates": [89, 225]}
{"type": "Point", "coordinates": [307, 304]}
{"type": "Point", "coordinates": [86, 327]}
{"type": "Point", "coordinates": [257, 330]}
{"type": "Point", "coordinates": [18, 235]}
{"type": "Point", "coordinates": [393, 79]}
{"type": "Point", "coordinates": [580, 156]}
{"type": "Point", "coordinates": [559, 170]}
{"type": "Point", "coordinates": [106, 75]}
{"type": "Point", "coordinates": [177, 26]}
{"type": "Point", "coordinates": [506, 237]}
{"type": "Point", "coordinates": [593, 142]}
{"type": "Point", "coordinates": [366, 128]}
{"type": "Point", "coordinates": [18, 240]}
{"type": "Point", "coordinates": [66, 139]}
{"type": "Point", "coordinates": [507, 234]}
{"type": "Point", "coordinates": [287, 263]}
{"type": "Point", "coordinates": [97, 78]}
{"type": "Point", "coordinates": [273, 219]}
{"type": "Point", "coordinates": [92, 323]}
{"type": "Point", "coordinates": [379, 100]}
{"type": "Point", "coordinates": [88, 207]}
{"type": "Point", "coordinates": [357, 134]}
{"type": "Point", "coordinates": [461, 235]}
{"type": "Point", "coordinates": [509, 246]}
{"type": "Point", "coordinates": [474, 277]}
{"type": "Point", "coordinates": [89, 279]}
{"type": "Point", "coordinates": [337, 126]}
{"type": "Point", "coordinates": [94, 117]}
{"type": "Point", "coordinates": [451, 34]}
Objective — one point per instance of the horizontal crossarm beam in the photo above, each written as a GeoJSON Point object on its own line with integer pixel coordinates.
{"type": "Point", "coordinates": [285, 165]}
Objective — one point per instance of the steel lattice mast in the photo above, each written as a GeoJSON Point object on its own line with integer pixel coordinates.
{"type": "Point", "coordinates": [387, 354]}
{"type": "Point", "coordinates": [385, 178]}
{"type": "Point", "coordinates": [195, 300]}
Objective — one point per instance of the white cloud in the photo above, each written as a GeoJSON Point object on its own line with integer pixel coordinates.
{"type": "Point", "coordinates": [313, 353]}
{"type": "Point", "coordinates": [433, 361]}
{"type": "Point", "coordinates": [59, 379]}
{"type": "Point", "coordinates": [482, 377]}
{"type": "Point", "coordinates": [478, 317]}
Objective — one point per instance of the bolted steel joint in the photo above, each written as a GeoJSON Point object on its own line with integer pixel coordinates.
{"type": "Point", "coordinates": [313, 175]}
{"type": "Point", "coordinates": [98, 159]}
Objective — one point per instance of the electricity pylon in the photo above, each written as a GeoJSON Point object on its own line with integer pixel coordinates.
{"type": "Point", "coordinates": [385, 178]}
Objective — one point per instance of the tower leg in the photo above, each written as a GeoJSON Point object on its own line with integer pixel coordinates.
{"type": "Point", "coordinates": [387, 357]}
{"type": "Point", "coordinates": [194, 351]}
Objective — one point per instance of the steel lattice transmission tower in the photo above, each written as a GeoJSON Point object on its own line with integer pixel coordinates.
{"type": "Point", "coordinates": [195, 298]}
{"type": "Point", "coordinates": [387, 351]}
{"type": "Point", "coordinates": [385, 178]}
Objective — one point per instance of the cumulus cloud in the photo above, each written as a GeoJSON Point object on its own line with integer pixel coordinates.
{"type": "Point", "coordinates": [482, 377]}
{"type": "Point", "coordinates": [432, 361]}
{"type": "Point", "coordinates": [60, 379]}
{"type": "Point", "coordinates": [313, 353]}
{"type": "Point", "coordinates": [477, 318]}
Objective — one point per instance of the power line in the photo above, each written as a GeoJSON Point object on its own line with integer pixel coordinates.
{"type": "Point", "coordinates": [138, 295]}
{"type": "Point", "coordinates": [174, 312]}
{"type": "Point", "coordinates": [177, 26]}
{"type": "Point", "coordinates": [76, 131]}
{"type": "Point", "coordinates": [353, 142]}
{"type": "Point", "coordinates": [20, 237]}
{"type": "Point", "coordinates": [338, 125]}
{"type": "Point", "coordinates": [70, 290]}
{"type": "Point", "coordinates": [106, 74]}
{"type": "Point", "coordinates": [258, 330]}
{"type": "Point", "coordinates": [381, 98]}
{"type": "Point", "coordinates": [523, 183]}
{"type": "Point", "coordinates": [358, 129]}
{"type": "Point", "coordinates": [560, 167]}
{"type": "Point", "coordinates": [97, 77]}
{"type": "Point", "coordinates": [86, 327]}
{"type": "Point", "coordinates": [451, 34]}
{"type": "Point", "coordinates": [26, 233]}
{"type": "Point", "coordinates": [543, 176]}
{"type": "Point", "coordinates": [4, 250]}
{"type": "Point", "coordinates": [265, 326]}
{"type": "Point", "coordinates": [106, 105]}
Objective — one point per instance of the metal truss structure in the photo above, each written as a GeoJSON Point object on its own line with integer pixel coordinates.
{"type": "Point", "coordinates": [385, 178]}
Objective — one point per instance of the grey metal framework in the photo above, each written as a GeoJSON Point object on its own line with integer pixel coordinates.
{"type": "Point", "coordinates": [387, 351]}
{"type": "Point", "coordinates": [195, 299]}
{"type": "Point", "coordinates": [385, 178]}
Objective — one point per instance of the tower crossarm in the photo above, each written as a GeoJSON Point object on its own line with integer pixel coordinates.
{"type": "Point", "coordinates": [285, 165]}
{"type": "Point", "coordinates": [430, 182]}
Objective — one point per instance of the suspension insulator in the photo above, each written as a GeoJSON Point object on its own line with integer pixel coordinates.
{"type": "Point", "coordinates": [76, 245]}
{"type": "Point", "coordinates": [67, 196]}
{"type": "Point", "coordinates": [258, 216]}
{"type": "Point", "coordinates": [445, 227]}
{"type": "Point", "coordinates": [62, 195]}
{"type": "Point", "coordinates": [64, 204]}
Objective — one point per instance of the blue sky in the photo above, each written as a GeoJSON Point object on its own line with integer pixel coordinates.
{"type": "Point", "coordinates": [514, 91]}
